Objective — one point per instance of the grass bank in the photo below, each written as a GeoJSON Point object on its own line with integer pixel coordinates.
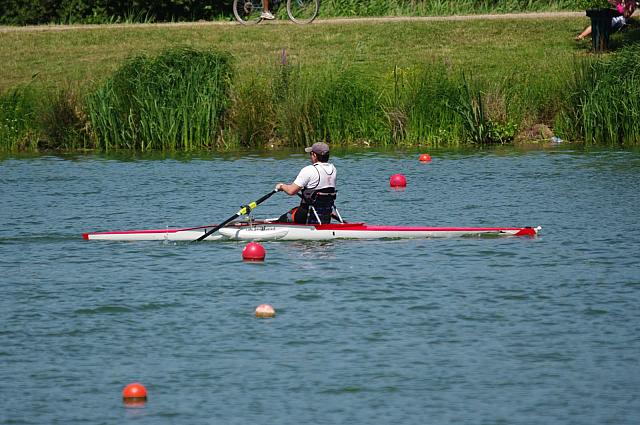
{"type": "Point", "coordinates": [441, 83]}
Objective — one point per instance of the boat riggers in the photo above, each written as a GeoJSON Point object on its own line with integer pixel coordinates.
{"type": "Point", "coordinates": [316, 207]}
{"type": "Point", "coordinates": [246, 209]}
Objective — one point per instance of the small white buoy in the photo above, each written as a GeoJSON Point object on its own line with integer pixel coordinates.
{"type": "Point", "coordinates": [265, 310]}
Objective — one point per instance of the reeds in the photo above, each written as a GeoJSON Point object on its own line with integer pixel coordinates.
{"type": "Point", "coordinates": [17, 119]}
{"type": "Point", "coordinates": [345, 106]}
{"type": "Point", "coordinates": [423, 97]}
{"type": "Point", "coordinates": [350, 108]}
{"type": "Point", "coordinates": [603, 100]}
{"type": "Point", "coordinates": [296, 108]}
{"type": "Point", "coordinates": [175, 101]}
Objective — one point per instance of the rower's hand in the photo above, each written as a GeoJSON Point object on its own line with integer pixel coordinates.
{"type": "Point", "coordinates": [278, 187]}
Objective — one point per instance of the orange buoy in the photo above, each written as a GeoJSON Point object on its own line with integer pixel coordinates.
{"type": "Point", "coordinates": [134, 393]}
{"type": "Point", "coordinates": [265, 310]}
{"type": "Point", "coordinates": [253, 251]}
{"type": "Point", "coordinates": [398, 180]}
{"type": "Point", "coordinates": [425, 157]}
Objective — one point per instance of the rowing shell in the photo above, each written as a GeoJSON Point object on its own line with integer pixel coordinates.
{"type": "Point", "coordinates": [268, 230]}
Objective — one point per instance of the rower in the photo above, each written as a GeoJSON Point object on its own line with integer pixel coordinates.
{"type": "Point", "coordinates": [316, 186]}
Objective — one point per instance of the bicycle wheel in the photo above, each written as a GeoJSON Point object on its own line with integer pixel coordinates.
{"type": "Point", "coordinates": [247, 12]}
{"type": "Point", "coordinates": [303, 11]}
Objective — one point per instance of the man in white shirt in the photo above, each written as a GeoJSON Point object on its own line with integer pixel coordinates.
{"type": "Point", "coordinates": [318, 185]}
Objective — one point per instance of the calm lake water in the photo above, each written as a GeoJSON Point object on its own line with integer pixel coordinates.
{"type": "Point", "coordinates": [456, 331]}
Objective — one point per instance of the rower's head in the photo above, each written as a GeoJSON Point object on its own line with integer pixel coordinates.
{"type": "Point", "coordinates": [319, 152]}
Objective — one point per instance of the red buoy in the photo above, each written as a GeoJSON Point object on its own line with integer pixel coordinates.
{"type": "Point", "coordinates": [253, 251]}
{"type": "Point", "coordinates": [425, 157]}
{"type": "Point", "coordinates": [398, 180]}
{"type": "Point", "coordinates": [134, 392]}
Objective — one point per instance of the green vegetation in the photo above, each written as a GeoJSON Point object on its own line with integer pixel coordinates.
{"type": "Point", "coordinates": [173, 101]}
{"type": "Point", "coordinates": [27, 12]}
{"type": "Point", "coordinates": [17, 116]}
{"type": "Point", "coordinates": [592, 4]}
{"type": "Point", "coordinates": [394, 83]}
{"type": "Point", "coordinates": [603, 104]}
{"type": "Point", "coordinates": [438, 7]}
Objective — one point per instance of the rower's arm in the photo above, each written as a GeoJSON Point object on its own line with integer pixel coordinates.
{"type": "Point", "coordinates": [290, 189]}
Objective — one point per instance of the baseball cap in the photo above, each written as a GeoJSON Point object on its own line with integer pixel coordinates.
{"type": "Point", "coordinates": [319, 148]}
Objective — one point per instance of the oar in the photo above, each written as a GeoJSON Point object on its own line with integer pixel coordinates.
{"type": "Point", "coordinates": [246, 209]}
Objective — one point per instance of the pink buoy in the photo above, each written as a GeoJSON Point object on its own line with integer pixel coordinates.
{"type": "Point", "coordinates": [425, 157]}
{"type": "Point", "coordinates": [265, 310]}
{"type": "Point", "coordinates": [398, 180]}
{"type": "Point", "coordinates": [253, 251]}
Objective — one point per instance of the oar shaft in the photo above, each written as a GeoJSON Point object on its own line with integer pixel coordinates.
{"type": "Point", "coordinates": [243, 211]}
{"type": "Point", "coordinates": [218, 227]}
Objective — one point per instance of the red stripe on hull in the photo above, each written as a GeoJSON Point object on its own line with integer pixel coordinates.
{"type": "Point", "coordinates": [527, 231]}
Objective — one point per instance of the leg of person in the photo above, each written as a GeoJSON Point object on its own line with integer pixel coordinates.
{"type": "Point", "coordinates": [585, 33]}
{"type": "Point", "coordinates": [300, 215]}
{"type": "Point", "coordinates": [287, 217]}
{"type": "Point", "coordinates": [266, 14]}
{"type": "Point", "coordinates": [294, 215]}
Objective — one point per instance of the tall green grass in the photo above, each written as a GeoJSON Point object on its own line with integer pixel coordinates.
{"type": "Point", "coordinates": [603, 100]}
{"type": "Point", "coordinates": [293, 107]}
{"type": "Point", "coordinates": [350, 108]}
{"type": "Point", "coordinates": [297, 108]}
{"type": "Point", "coordinates": [343, 105]}
{"type": "Point", "coordinates": [425, 98]}
{"type": "Point", "coordinates": [278, 107]}
{"type": "Point", "coordinates": [17, 119]}
{"type": "Point", "coordinates": [34, 118]}
{"type": "Point", "coordinates": [176, 100]}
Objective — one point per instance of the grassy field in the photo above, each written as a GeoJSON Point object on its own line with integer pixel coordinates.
{"type": "Point", "coordinates": [491, 49]}
{"type": "Point", "coordinates": [533, 56]}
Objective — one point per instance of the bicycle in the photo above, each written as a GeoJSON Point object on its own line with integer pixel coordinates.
{"type": "Point", "coordinates": [299, 11]}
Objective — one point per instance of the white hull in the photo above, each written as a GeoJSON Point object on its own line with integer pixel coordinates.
{"type": "Point", "coordinates": [263, 231]}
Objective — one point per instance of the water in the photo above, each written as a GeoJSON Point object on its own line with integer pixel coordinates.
{"type": "Point", "coordinates": [483, 331]}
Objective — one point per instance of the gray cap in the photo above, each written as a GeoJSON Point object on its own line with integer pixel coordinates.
{"type": "Point", "coordinates": [319, 147]}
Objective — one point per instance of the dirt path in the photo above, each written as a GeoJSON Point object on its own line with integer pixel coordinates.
{"type": "Point", "coordinates": [507, 16]}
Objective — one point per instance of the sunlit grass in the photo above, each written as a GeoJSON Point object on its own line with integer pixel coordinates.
{"type": "Point", "coordinates": [492, 49]}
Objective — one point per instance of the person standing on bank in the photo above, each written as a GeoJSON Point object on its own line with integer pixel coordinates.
{"type": "Point", "coordinates": [318, 185]}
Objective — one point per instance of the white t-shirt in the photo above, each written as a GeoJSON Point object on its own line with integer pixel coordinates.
{"type": "Point", "coordinates": [317, 176]}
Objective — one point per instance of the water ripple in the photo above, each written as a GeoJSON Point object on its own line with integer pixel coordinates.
{"type": "Point", "coordinates": [464, 330]}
